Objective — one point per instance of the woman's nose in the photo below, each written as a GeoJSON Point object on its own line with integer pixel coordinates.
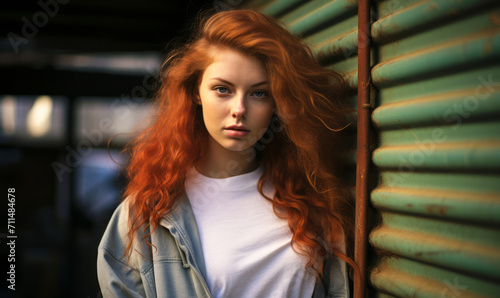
{"type": "Point", "coordinates": [238, 108]}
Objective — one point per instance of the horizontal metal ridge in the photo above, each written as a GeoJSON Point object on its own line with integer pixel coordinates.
{"type": "Point", "coordinates": [279, 6]}
{"type": "Point", "coordinates": [447, 155]}
{"type": "Point", "coordinates": [406, 278]}
{"type": "Point", "coordinates": [420, 14]}
{"type": "Point", "coordinates": [440, 108]}
{"type": "Point", "coordinates": [450, 55]}
{"type": "Point", "coordinates": [435, 249]}
{"type": "Point", "coordinates": [445, 203]}
{"type": "Point", "coordinates": [315, 13]}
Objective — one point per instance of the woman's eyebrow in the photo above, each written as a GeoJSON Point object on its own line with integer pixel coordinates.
{"type": "Point", "coordinates": [231, 84]}
{"type": "Point", "coordinates": [258, 84]}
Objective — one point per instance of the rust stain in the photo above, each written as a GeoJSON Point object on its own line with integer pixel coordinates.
{"type": "Point", "coordinates": [495, 18]}
{"type": "Point", "coordinates": [437, 209]}
{"type": "Point", "coordinates": [433, 6]}
{"type": "Point", "coordinates": [409, 205]}
{"type": "Point", "coordinates": [487, 47]}
{"type": "Point", "coordinates": [379, 24]}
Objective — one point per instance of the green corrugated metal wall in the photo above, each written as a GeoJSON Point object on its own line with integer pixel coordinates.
{"type": "Point", "coordinates": [438, 81]}
{"type": "Point", "coordinates": [436, 76]}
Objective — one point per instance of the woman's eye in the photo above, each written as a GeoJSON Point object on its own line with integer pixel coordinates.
{"type": "Point", "coordinates": [260, 94]}
{"type": "Point", "coordinates": [221, 90]}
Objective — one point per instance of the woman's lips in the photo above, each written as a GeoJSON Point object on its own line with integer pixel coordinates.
{"type": "Point", "coordinates": [237, 131]}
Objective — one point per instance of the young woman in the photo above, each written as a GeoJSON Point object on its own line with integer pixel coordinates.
{"type": "Point", "coordinates": [233, 190]}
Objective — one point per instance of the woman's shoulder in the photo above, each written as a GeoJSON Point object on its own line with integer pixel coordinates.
{"type": "Point", "coordinates": [119, 222]}
{"type": "Point", "coordinates": [115, 239]}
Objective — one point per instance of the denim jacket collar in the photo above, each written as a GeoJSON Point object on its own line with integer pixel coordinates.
{"type": "Point", "coordinates": [182, 226]}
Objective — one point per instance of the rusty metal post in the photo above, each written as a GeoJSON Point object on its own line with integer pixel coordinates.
{"type": "Point", "coordinates": [363, 148]}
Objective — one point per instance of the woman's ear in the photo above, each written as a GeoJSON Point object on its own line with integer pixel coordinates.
{"type": "Point", "coordinates": [197, 99]}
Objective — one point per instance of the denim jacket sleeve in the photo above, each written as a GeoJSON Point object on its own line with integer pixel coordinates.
{"type": "Point", "coordinates": [334, 283]}
{"type": "Point", "coordinates": [114, 284]}
{"type": "Point", "coordinates": [120, 276]}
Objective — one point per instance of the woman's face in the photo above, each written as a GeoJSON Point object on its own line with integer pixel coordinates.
{"type": "Point", "coordinates": [236, 100]}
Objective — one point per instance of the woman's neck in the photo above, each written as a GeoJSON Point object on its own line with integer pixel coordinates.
{"type": "Point", "coordinates": [219, 162]}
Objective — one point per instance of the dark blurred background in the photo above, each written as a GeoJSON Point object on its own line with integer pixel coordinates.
{"type": "Point", "coordinates": [74, 73]}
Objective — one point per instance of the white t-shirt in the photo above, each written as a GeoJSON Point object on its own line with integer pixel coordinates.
{"type": "Point", "coordinates": [246, 247]}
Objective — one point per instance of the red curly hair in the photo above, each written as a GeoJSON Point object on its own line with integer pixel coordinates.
{"type": "Point", "coordinates": [311, 108]}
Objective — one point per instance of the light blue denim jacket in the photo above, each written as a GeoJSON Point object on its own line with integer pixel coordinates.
{"type": "Point", "coordinates": [173, 266]}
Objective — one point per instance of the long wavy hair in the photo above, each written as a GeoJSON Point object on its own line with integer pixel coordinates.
{"type": "Point", "coordinates": [299, 150]}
